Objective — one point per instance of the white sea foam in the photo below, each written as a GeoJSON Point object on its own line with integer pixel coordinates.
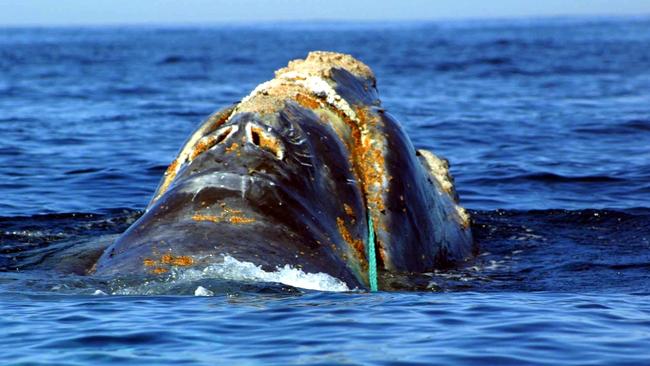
{"type": "Point", "coordinates": [234, 270]}
{"type": "Point", "coordinates": [202, 291]}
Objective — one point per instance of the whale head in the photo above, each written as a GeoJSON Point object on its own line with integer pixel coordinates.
{"type": "Point", "coordinates": [295, 174]}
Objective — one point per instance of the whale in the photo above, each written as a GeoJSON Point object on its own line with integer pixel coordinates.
{"type": "Point", "coordinates": [310, 171]}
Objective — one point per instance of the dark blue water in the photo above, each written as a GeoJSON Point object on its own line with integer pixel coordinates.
{"type": "Point", "coordinates": [546, 124]}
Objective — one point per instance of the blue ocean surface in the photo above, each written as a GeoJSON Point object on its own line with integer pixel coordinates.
{"type": "Point", "coordinates": [546, 124]}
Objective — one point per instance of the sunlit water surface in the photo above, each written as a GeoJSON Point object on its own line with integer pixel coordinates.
{"type": "Point", "coordinates": [546, 124]}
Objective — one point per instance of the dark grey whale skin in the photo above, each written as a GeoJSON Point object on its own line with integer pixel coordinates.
{"type": "Point", "coordinates": [295, 202]}
{"type": "Point", "coordinates": [295, 216]}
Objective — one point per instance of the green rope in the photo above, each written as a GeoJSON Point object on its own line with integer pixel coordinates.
{"type": "Point", "coordinates": [372, 259]}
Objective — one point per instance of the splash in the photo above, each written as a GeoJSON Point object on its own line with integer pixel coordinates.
{"type": "Point", "coordinates": [231, 269]}
{"type": "Point", "coordinates": [202, 291]}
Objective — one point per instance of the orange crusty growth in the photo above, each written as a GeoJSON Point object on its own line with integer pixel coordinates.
{"type": "Point", "coordinates": [212, 218]}
{"type": "Point", "coordinates": [232, 147]}
{"type": "Point", "coordinates": [226, 216]}
{"type": "Point", "coordinates": [170, 174]}
{"type": "Point", "coordinates": [356, 244]}
{"type": "Point", "coordinates": [202, 146]}
{"type": "Point", "coordinates": [149, 262]}
{"type": "Point", "coordinates": [307, 101]}
{"type": "Point", "coordinates": [266, 142]}
{"type": "Point", "coordinates": [348, 209]}
{"type": "Point", "coordinates": [159, 270]}
{"type": "Point", "coordinates": [181, 260]}
{"type": "Point", "coordinates": [371, 162]}
{"type": "Point", "coordinates": [166, 261]}
{"type": "Point", "coordinates": [219, 120]}
{"type": "Point", "coordinates": [240, 220]}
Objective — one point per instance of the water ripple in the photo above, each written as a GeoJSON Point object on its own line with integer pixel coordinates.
{"type": "Point", "coordinates": [545, 124]}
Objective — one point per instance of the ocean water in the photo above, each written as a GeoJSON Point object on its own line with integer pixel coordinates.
{"type": "Point", "coordinates": [546, 124]}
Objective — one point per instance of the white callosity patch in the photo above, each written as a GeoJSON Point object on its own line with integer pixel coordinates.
{"type": "Point", "coordinates": [186, 151]}
{"type": "Point", "coordinates": [250, 130]}
{"type": "Point", "coordinates": [258, 89]}
{"type": "Point", "coordinates": [314, 84]}
{"type": "Point", "coordinates": [438, 169]}
{"type": "Point", "coordinates": [319, 87]}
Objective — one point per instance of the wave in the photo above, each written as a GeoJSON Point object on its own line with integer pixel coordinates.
{"type": "Point", "coordinates": [558, 178]}
{"type": "Point", "coordinates": [232, 269]}
{"type": "Point", "coordinates": [633, 126]}
{"type": "Point", "coordinates": [176, 59]}
{"type": "Point", "coordinates": [547, 177]}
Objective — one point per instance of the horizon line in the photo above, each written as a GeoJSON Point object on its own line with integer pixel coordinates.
{"type": "Point", "coordinates": [316, 21]}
